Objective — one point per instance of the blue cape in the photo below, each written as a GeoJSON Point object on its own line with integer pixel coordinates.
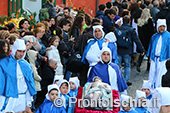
{"type": "Point", "coordinates": [101, 70]}
{"type": "Point", "coordinates": [111, 46]}
{"type": "Point", "coordinates": [165, 50]}
{"type": "Point", "coordinates": [8, 77]}
{"type": "Point", "coordinates": [46, 107]}
{"type": "Point", "coordinates": [141, 110]}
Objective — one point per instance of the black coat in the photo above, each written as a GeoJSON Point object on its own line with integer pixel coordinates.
{"type": "Point", "coordinates": [166, 79]}
{"type": "Point", "coordinates": [48, 74]}
{"type": "Point", "coordinates": [81, 41]}
{"type": "Point", "coordinates": [145, 33]}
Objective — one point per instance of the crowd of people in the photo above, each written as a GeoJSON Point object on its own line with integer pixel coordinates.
{"type": "Point", "coordinates": [67, 51]}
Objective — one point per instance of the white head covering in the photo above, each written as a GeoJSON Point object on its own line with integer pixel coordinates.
{"type": "Point", "coordinates": [161, 22]}
{"type": "Point", "coordinates": [103, 50]}
{"type": "Point", "coordinates": [162, 94]}
{"type": "Point", "coordinates": [101, 28]}
{"type": "Point", "coordinates": [18, 45]}
{"type": "Point", "coordinates": [62, 81]}
{"type": "Point", "coordinates": [140, 94]}
{"type": "Point", "coordinates": [111, 37]}
{"type": "Point", "coordinates": [58, 77]}
{"type": "Point", "coordinates": [76, 81]}
{"type": "Point", "coordinates": [125, 97]}
{"type": "Point", "coordinates": [146, 84]}
{"type": "Point", "coordinates": [50, 87]}
{"type": "Point", "coordinates": [29, 37]}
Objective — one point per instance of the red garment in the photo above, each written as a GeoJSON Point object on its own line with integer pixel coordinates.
{"type": "Point", "coordinates": [80, 110]}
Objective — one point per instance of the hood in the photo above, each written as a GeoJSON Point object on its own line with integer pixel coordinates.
{"type": "Point", "coordinates": [140, 94]}
{"type": "Point", "coordinates": [103, 50]}
{"type": "Point", "coordinates": [18, 45]}
{"type": "Point", "coordinates": [50, 87]}
{"type": "Point", "coordinates": [76, 81]}
{"type": "Point", "coordinates": [161, 22]}
{"type": "Point", "coordinates": [31, 56]}
{"type": "Point", "coordinates": [146, 84]}
{"type": "Point", "coordinates": [101, 28]}
{"type": "Point", "coordinates": [162, 94]}
{"type": "Point", "coordinates": [111, 37]}
{"type": "Point", "coordinates": [58, 77]}
{"type": "Point", "coordinates": [62, 81]}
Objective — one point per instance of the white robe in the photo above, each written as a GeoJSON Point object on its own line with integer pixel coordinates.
{"type": "Point", "coordinates": [24, 98]}
{"type": "Point", "coordinates": [157, 68]}
{"type": "Point", "coordinates": [53, 53]}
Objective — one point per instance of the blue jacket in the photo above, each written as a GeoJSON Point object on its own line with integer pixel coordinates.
{"type": "Point", "coordinates": [165, 50]}
{"type": "Point", "coordinates": [107, 23]}
{"type": "Point", "coordinates": [8, 77]}
{"type": "Point", "coordinates": [99, 14]}
{"type": "Point", "coordinates": [49, 107]}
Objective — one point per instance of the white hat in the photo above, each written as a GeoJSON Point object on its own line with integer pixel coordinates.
{"type": "Point", "coordinates": [18, 45]}
{"type": "Point", "coordinates": [50, 87]}
{"type": "Point", "coordinates": [108, 50]}
{"type": "Point", "coordinates": [162, 94]}
{"type": "Point", "coordinates": [161, 22]}
{"type": "Point", "coordinates": [146, 84]}
{"type": "Point", "coordinates": [76, 81]}
{"type": "Point", "coordinates": [58, 77]}
{"type": "Point", "coordinates": [62, 81]}
{"type": "Point", "coordinates": [101, 28]}
{"type": "Point", "coordinates": [111, 37]}
{"type": "Point", "coordinates": [53, 86]}
{"type": "Point", "coordinates": [140, 94]}
{"type": "Point", "coordinates": [125, 97]}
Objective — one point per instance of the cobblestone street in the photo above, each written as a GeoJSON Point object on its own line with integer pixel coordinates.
{"type": "Point", "coordinates": [137, 79]}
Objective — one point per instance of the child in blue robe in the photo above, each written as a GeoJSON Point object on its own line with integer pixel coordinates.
{"type": "Point", "coordinates": [64, 87]}
{"type": "Point", "coordinates": [140, 95]}
{"type": "Point", "coordinates": [146, 87]}
{"type": "Point", "coordinates": [126, 109]}
{"type": "Point", "coordinates": [48, 106]}
{"type": "Point", "coordinates": [74, 85]}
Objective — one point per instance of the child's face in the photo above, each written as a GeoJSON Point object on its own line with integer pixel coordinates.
{"type": "Point", "coordinates": [147, 91]}
{"type": "Point", "coordinates": [127, 108]}
{"type": "Point", "coordinates": [53, 95]}
{"type": "Point", "coordinates": [56, 42]}
{"type": "Point", "coordinates": [165, 109]}
{"type": "Point", "coordinates": [64, 89]}
{"type": "Point", "coordinates": [72, 85]}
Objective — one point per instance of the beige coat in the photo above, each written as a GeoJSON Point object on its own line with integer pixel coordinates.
{"type": "Point", "coordinates": [31, 56]}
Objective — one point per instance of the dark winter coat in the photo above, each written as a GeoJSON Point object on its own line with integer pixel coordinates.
{"type": "Point", "coordinates": [166, 79]}
{"type": "Point", "coordinates": [145, 33]}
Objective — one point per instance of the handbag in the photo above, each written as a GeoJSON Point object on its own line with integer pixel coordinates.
{"type": "Point", "coordinates": [74, 63]}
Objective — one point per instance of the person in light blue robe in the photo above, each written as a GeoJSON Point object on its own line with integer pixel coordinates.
{"type": "Point", "coordinates": [16, 80]}
{"type": "Point", "coordinates": [91, 52]}
{"type": "Point", "coordinates": [159, 52]}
